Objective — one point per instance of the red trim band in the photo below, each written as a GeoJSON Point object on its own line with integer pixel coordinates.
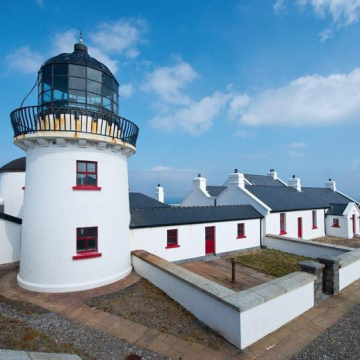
{"type": "Point", "coordinates": [283, 232]}
{"type": "Point", "coordinates": [241, 237]}
{"type": "Point", "coordinates": [172, 246]}
{"type": "Point", "coordinates": [93, 188]}
{"type": "Point", "coordinates": [86, 256]}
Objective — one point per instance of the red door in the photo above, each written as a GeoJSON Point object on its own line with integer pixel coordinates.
{"type": "Point", "coordinates": [300, 228]}
{"type": "Point", "coordinates": [209, 240]}
{"type": "Point", "coordinates": [354, 224]}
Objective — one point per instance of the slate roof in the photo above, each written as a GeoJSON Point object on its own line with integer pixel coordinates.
{"type": "Point", "coordinates": [141, 201]}
{"type": "Point", "coordinates": [264, 180]}
{"type": "Point", "coordinates": [17, 165]}
{"type": "Point", "coordinates": [171, 216]}
{"type": "Point", "coordinates": [284, 198]}
{"type": "Point", "coordinates": [337, 209]}
{"type": "Point", "coordinates": [325, 194]}
{"type": "Point", "coordinates": [215, 191]}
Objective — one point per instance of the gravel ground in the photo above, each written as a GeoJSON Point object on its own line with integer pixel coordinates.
{"type": "Point", "coordinates": [340, 341]}
{"type": "Point", "coordinates": [24, 326]}
{"type": "Point", "coordinates": [145, 304]}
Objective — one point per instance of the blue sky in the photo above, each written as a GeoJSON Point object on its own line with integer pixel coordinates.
{"type": "Point", "coordinates": [213, 85]}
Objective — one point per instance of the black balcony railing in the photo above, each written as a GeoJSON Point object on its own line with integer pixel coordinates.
{"type": "Point", "coordinates": [33, 119]}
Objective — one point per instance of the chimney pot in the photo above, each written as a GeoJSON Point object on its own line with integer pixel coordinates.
{"type": "Point", "coordinates": [159, 193]}
{"type": "Point", "coordinates": [199, 175]}
{"type": "Point", "coordinates": [295, 183]}
{"type": "Point", "coordinates": [236, 171]}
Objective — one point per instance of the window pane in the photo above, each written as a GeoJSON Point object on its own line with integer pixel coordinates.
{"type": "Point", "coordinates": [107, 92]}
{"type": "Point", "coordinates": [93, 74]}
{"type": "Point", "coordinates": [77, 70]}
{"type": "Point", "coordinates": [46, 71]}
{"type": "Point", "coordinates": [116, 87]}
{"type": "Point", "coordinates": [60, 82]}
{"type": "Point", "coordinates": [92, 231]}
{"type": "Point", "coordinates": [108, 81]}
{"type": "Point", "coordinates": [92, 245]}
{"type": "Point", "coordinates": [93, 99]}
{"type": "Point", "coordinates": [81, 166]}
{"type": "Point", "coordinates": [81, 232]}
{"type": "Point", "coordinates": [91, 167]}
{"type": "Point", "coordinates": [80, 179]}
{"type": "Point", "coordinates": [77, 96]}
{"type": "Point", "coordinates": [91, 180]}
{"type": "Point", "coordinates": [81, 245]}
{"type": "Point", "coordinates": [60, 95]}
{"type": "Point", "coordinates": [116, 109]}
{"type": "Point", "coordinates": [60, 69]}
{"type": "Point", "coordinates": [46, 84]}
{"type": "Point", "coordinates": [77, 83]}
{"type": "Point", "coordinates": [94, 86]}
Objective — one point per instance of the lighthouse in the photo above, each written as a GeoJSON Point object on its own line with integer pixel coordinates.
{"type": "Point", "coordinates": [75, 231]}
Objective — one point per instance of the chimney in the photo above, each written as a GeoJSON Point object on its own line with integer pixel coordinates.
{"type": "Point", "coordinates": [295, 183]}
{"type": "Point", "coordinates": [159, 193]}
{"type": "Point", "coordinates": [237, 179]}
{"type": "Point", "coordinates": [331, 185]}
{"type": "Point", "coordinates": [199, 183]}
{"type": "Point", "coordinates": [273, 174]}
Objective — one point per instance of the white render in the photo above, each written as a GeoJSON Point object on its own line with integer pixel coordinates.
{"type": "Point", "coordinates": [10, 235]}
{"type": "Point", "coordinates": [198, 196]}
{"type": "Point", "coordinates": [191, 239]}
{"type": "Point", "coordinates": [159, 194]}
{"type": "Point", "coordinates": [12, 192]}
{"type": "Point", "coordinates": [53, 211]}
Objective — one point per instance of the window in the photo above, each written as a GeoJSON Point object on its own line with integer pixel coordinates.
{"type": "Point", "coordinates": [172, 239]}
{"type": "Point", "coordinates": [336, 223]}
{"type": "Point", "coordinates": [86, 176]}
{"type": "Point", "coordinates": [86, 243]}
{"type": "Point", "coordinates": [314, 219]}
{"type": "Point", "coordinates": [241, 231]}
{"type": "Point", "coordinates": [283, 224]}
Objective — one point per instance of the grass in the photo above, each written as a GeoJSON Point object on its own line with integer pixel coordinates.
{"type": "Point", "coordinates": [271, 262]}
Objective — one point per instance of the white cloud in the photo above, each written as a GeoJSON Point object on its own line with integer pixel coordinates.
{"type": "Point", "coordinates": [63, 42]}
{"type": "Point", "coordinates": [161, 168]}
{"type": "Point", "coordinates": [309, 100]}
{"type": "Point", "coordinates": [25, 60]}
{"type": "Point", "coordinates": [120, 37]}
{"type": "Point", "coordinates": [342, 12]}
{"type": "Point", "coordinates": [295, 154]}
{"type": "Point", "coordinates": [237, 105]}
{"type": "Point", "coordinates": [166, 82]}
{"type": "Point", "coordinates": [325, 35]}
{"type": "Point", "coordinates": [244, 134]}
{"type": "Point", "coordinates": [194, 119]}
{"type": "Point", "coordinates": [126, 91]}
{"type": "Point", "coordinates": [296, 145]}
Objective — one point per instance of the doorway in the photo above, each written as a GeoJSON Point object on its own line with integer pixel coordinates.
{"type": "Point", "coordinates": [209, 240]}
{"type": "Point", "coordinates": [300, 234]}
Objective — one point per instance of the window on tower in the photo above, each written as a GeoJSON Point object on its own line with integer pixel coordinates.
{"type": "Point", "coordinates": [86, 175]}
{"type": "Point", "coordinates": [86, 243]}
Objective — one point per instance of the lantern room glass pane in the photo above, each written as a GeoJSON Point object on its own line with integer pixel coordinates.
{"type": "Point", "coordinates": [60, 82]}
{"type": "Point", "coordinates": [94, 86]}
{"type": "Point", "coordinates": [60, 69]}
{"type": "Point", "coordinates": [93, 74]}
{"type": "Point", "coordinates": [93, 99]}
{"type": "Point", "coordinates": [61, 94]}
{"type": "Point", "coordinates": [46, 84]}
{"type": "Point", "coordinates": [46, 97]}
{"type": "Point", "coordinates": [77, 96]}
{"type": "Point", "coordinates": [108, 81]}
{"type": "Point", "coordinates": [46, 71]}
{"type": "Point", "coordinates": [77, 70]}
{"type": "Point", "coordinates": [77, 83]}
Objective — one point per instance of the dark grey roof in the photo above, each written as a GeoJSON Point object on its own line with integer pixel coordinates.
{"type": "Point", "coordinates": [325, 194]}
{"type": "Point", "coordinates": [169, 216]}
{"type": "Point", "coordinates": [264, 180]}
{"type": "Point", "coordinates": [141, 201]}
{"type": "Point", "coordinates": [215, 191]}
{"type": "Point", "coordinates": [284, 198]}
{"type": "Point", "coordinates": [337, 209]}
{"type": "Point", "coordinates": [18, 165]}
{"type": "Point", "coordinates": [79, 57]}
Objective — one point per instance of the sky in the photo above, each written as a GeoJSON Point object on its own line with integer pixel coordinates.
{"type": "Point", "coordinates": [213, 85]}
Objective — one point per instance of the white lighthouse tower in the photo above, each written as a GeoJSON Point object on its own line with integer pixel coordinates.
{"type": "Point", "coordinates": [75, 232]}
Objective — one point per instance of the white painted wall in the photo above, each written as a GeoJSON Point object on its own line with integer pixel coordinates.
{"type": "Point", "coordinates": [303, 247]}
{"type": "Point", "coordinates": [10, 235]}
{"type": "Point", "coordinates": [343, 231]}
{"type": "Point", "coordinates": [349, 274]}
{"type": "Point", "coordinates": [53, 210]}
{"type": "Point", "coordinates": [271, 315]}
{"type": "Point", "coordinates": [198, 197]}
{"type": "Point", "coordinates": [191, 239]}
{"type": "Point", "coordinates": [273, 224]}
{"type": "Point", "coordinates": [11, 191]}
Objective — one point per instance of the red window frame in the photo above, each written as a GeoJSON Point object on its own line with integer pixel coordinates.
{"type": "Point", "coordinates": [172, 239]}
{"type": "Point", "coordinates": [314, 219]}
{"type": "Point", "coordinates": [86, 238]}
{"type": "Point", "coordinates": [87, 172]}
{"type": "Point", "coordinates": [241, 231]}
{"type": "Point", "coordinates": [283, 224]}
{"type": "Point", "coordinates": [336, 223]}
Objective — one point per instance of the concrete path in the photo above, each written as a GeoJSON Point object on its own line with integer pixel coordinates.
{"type": "Point", "coordinates": [281, 344]}
{"type": "Point", "coordinates": [26, 355]}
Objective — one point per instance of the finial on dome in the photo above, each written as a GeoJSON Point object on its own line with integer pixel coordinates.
{"type": "Point", "coordinates": [81, 37]}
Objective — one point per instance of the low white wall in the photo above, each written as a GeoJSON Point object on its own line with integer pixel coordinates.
{"type": "Point", "coordinates": [307, 248]}
{"type": "Point", "coordinates": [349, 268]}
{"type": "Point", "coordinates": [242, 318]}
{"type": "Point", "coordinates": [10, 234]}
{"type": "Point", "coordinates": [273, 224]}
{"type": "Point", "coordinates": [191, 239]}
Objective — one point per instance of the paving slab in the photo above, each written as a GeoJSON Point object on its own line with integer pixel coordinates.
{"type": "Point", "coordinates": [24, 355]}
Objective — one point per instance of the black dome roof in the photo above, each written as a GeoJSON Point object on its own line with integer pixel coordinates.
{"type": "Point", "coordinates": [18, 165]}
{"type": "Point", "coordinates": [80, 56]}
